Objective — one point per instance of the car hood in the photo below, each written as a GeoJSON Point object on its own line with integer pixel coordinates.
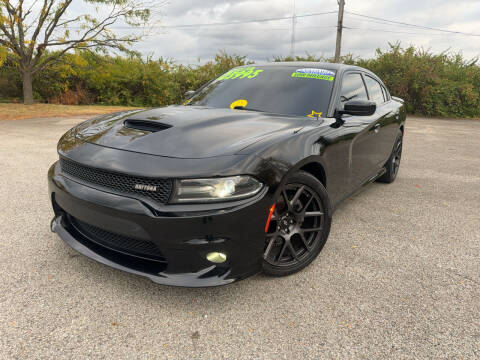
{"type": "Point", "coordinates": [186, 131]}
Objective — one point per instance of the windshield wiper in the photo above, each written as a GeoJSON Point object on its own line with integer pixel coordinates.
{"type": "Point", "coordinates": [344, 98]}
{"type": "Point", "coordinates": [248, 109]}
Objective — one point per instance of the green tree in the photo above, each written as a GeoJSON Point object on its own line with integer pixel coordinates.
{"type": "Point", "coordinates": [29, 29]}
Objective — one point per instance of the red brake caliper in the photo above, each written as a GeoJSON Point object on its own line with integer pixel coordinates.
{"type": "Point", "coordinates": [272, 209]}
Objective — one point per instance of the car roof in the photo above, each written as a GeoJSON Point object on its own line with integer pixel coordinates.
{"type": "Point", "coordinates": [339, 68]}
{"type": "Point", "coordinates": [311, 64]}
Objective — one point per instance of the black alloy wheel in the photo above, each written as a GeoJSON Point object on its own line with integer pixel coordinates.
{"type": "Point", "coordinates": [299, 226]}
{"type": "Point", "coordinates": [397, 156]}
{"type": "Point", "coordinates": [393, 164]}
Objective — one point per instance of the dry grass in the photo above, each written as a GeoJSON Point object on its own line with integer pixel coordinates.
{"type": "Point", "coordinates": [12, 111]}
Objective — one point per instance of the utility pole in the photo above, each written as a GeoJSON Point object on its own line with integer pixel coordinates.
{"type": "Point", "coordinates": [292, 41]}
{"type": "Point", "coordinates": [341, 5]}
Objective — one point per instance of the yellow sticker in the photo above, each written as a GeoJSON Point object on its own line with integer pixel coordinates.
{"type": "Point", "coordinates": [241, 102]}
{"type": "Point", "coordinates": [241, 73]}
{"type": "Point", "coordinates": [186, 102]}
{"type": "Point", "coordinates": [315, 114]}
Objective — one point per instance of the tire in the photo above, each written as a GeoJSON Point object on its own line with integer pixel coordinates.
{"type": "Point", "coordinates": [299, 226]}
{"type": "Point", "coordinates": [393, 163]}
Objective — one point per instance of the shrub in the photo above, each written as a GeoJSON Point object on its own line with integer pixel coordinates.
{"type": "Point", "coordinates": [431, 84]}
{"type": "Point", "coordinates": [77, 96]}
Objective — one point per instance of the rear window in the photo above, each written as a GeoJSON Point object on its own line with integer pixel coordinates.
{"type": "Point", "coordinates": [276, 89]}
{"type": "Point", "coordinates": [375, 92]}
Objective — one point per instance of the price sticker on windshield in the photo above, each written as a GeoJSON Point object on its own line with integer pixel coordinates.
{"type": "Point", "coordinates": [312, 73]}
{"type": "Point", "coordinates": [249, 72]}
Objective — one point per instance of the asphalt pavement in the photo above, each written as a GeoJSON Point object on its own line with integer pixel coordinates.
{"type": "Point", "coordinates": [399, 277]}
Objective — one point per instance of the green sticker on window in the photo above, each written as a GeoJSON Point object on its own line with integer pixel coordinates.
{"type": "Point", "coordinates": [241, 73]}
{"type": "Point", "coordinates": [312, 73]}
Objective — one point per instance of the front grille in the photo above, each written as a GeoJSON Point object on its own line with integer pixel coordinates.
{"type": "Point", "coordinates": [118, 242]}
{"type": "Point", "coordinates": [121, 183]}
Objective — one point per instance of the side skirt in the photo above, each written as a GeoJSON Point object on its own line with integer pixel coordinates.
{"type": "Point", "coordinates": [362, 186]}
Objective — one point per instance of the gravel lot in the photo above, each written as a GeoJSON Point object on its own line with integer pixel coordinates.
{"type": "Point", "coordinates": [399, 277]}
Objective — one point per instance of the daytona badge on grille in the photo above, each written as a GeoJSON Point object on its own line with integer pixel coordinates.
{"type": "Point", "coordinates": [145, 187]}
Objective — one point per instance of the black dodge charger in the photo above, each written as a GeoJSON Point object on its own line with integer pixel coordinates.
{"type": "Point", "coordinates": [243, 177]}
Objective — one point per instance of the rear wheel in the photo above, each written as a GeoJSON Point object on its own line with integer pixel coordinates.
{"type": "Point", "coordinates": [299, 226]}
{"type": "Point", "coordinates": [393, 163]}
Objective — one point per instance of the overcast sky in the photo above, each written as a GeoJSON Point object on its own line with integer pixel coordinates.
{"type": "Point", "coordinates": [316, 34]}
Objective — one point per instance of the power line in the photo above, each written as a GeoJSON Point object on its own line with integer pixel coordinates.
{"type": "Point", "coordinates": [250, 21]}
{"type": "Point", "coordinates": [411, 25]}
{"type": "Point", "coordinates": [294, 17]}
{"type": "Point", "coordinates": [181, 26]}
{"type": "Point", "coordinates": [356, 19]}
{"type": "Point", "coordinates": [283, 28]}
{"type": "Point", "coordinates": [335, 26]}
{"type": "Point", "coordinates": [395, 32]}
{"type": "Point", "coordinates": [289, 29]}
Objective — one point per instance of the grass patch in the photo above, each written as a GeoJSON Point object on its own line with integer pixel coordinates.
{"type": "Point", "coordinates": [19, 111]}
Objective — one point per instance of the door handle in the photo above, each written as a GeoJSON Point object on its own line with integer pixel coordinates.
{"type": "Point", "coordinates": [376, 128]}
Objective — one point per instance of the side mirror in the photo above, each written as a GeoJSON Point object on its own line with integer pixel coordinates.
{"type": "Point", "coordinates": [359, 108]}
{"type": "Point", "coordinates": [189, 94]}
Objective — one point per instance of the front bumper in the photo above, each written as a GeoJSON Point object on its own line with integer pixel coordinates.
{"type": "Point", "coordinates": [183, 234]}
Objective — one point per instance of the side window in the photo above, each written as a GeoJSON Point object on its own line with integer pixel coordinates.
{"type": "Point", "coordinates": [353, 88]}
{"type": "Point", "coordinates": [387, 94]}
{"type": "Point", "coordinates": [375, 92]}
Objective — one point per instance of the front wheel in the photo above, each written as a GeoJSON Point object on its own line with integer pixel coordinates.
{"type": "Point", "coordinates": [299, 226]}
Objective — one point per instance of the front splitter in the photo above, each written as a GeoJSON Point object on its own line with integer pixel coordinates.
{"type": "Point", "coordinates": [197, 279]}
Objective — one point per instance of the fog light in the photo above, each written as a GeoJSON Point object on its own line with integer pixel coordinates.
{"type": "Point", "coordinates": [216, 257]}
{"type": "Point", "coordinates": [53, 224]}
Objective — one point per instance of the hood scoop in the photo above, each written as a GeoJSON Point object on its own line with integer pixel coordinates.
{"type": "Point", "coordinates": [145, 125]}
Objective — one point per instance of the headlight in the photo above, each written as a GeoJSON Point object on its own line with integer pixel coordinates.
{"type": "Point", "coordinates": [215, 190]}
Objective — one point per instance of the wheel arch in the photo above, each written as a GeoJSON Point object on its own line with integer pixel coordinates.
{"type": "Point", "coordinates": [316, 169]}
{"type": "Point", "coordinates": [313, 165]}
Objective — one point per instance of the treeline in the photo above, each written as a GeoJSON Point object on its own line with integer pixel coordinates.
{"type": "Point", "coordinates": [431, 84]}
{"type": "Point", "coordinates": [444, 84]}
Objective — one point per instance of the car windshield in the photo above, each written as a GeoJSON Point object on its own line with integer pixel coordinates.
{"type": "Point", "coordinates": [299, 91]}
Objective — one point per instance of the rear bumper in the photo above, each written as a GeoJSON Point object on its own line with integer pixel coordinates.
{"type": "Point", "coordinates": [183, 234]}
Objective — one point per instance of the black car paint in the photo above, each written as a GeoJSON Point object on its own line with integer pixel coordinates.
{"type": "Point", "coordinates": [191, 132]}
{"type": "Point", "coordinates": [344, 152]}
